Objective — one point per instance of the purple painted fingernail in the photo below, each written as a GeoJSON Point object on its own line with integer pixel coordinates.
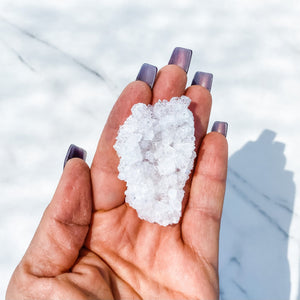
{"type": "Point", "coordinates": [203, 79]}
{"type": "Point", "coordinates": [73, 152]}
{"type": "Point", "coordinates": [220, 127]}
{"type": "Point", "coordinates": [147, 74]}
{"type": "Point", "coordinates": [181, 57]}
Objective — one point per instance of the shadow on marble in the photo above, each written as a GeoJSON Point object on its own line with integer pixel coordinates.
{"type": "Point", "coordinates": [257, 214]}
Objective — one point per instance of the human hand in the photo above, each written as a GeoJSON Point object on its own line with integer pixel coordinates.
{"type": "Point", "coordinates": [123, 256]}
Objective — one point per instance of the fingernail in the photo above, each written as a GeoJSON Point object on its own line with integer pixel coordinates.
{"type": "Point", "coordinates": [203, 79]}
{"type": "Point", "coordinates": [73, 152]}
{"type": "Point", "coordinates": [181, 57]}
{"type": "Point", "coordinates": [147, 74]}
{"type": "Point", "coordinates": [220, 127]}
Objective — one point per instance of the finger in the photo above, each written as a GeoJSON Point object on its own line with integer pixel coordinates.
{"type": "Point", "coordinates": [64, 225]}
{"type": "Point", "coordinates": [171, 80]}
{"type": "Point", "coordinates": [200, 106]}
{"type": "Point", "coordinates": [201, 219]}
{"type": "Point", "coordinates": [108, 190]}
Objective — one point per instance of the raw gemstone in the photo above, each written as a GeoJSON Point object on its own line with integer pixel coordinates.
{"type": "Point", "coordinates": [156, 146]}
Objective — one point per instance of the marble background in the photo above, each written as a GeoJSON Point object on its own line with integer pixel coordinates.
{"type": "Point", "coordinates": [63, 65]}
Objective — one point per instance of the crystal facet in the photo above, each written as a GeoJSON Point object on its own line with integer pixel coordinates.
{"type": "Point", "coordinates": [156, 146]}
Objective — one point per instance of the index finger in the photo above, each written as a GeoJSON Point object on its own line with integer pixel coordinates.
{"type": "Point", "coordinates": [108, 189]}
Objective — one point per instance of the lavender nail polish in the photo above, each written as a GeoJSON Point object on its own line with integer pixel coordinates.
{"type": "Point", "coordinates": [147, 74]}
{"type": "Point", "coordinates": [220, 127]}
{"type": "Point", "coordinates": [73, 152]}
{"type": "Point", "coordinates": [181, 57]}
{"type": "Point", "coordinates": [203, 79]}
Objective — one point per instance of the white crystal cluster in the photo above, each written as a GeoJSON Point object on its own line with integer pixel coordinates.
{"type": "Point", "coordinates": [156, 149]}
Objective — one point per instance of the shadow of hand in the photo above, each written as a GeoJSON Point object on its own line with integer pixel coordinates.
{"type": "Point", "coordinates": [257, 214]}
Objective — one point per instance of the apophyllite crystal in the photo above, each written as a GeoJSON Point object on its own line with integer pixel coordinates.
{"type": "Point", "coordinates": [156, 146]}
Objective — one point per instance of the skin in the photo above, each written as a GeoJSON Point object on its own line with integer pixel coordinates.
{"type": "Point", "coordinates": [95, 247]}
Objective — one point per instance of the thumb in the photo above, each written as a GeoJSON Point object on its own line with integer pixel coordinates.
{"type": "Point", "coordinates": [65, 223]}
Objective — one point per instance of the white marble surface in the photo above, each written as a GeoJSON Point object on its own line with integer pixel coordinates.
{"type": "Point", "coordinates": [63, 65]}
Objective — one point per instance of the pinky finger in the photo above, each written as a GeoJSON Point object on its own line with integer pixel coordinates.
{"type": "Point", "coordinates": [201, 219]}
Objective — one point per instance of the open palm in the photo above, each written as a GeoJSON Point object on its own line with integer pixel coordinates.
{"type": "Point", "coordinates": [100, 249]}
